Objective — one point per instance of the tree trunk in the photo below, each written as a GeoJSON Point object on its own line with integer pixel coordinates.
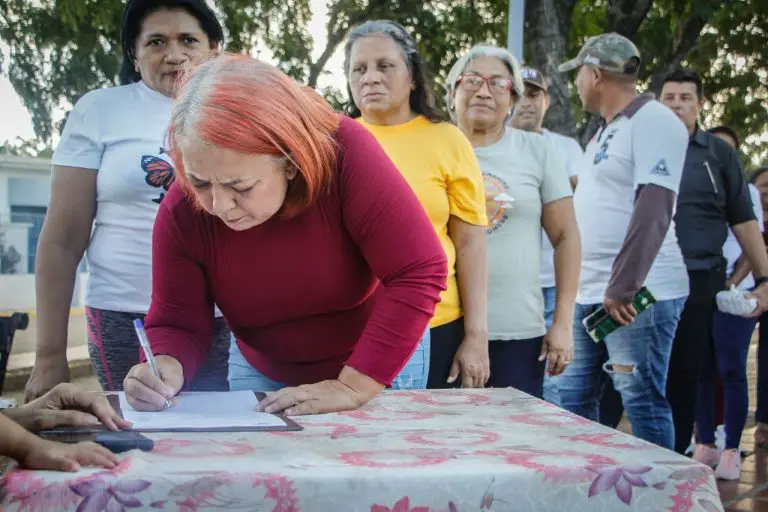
{"type": "Point", "coordinates": [689, 36]}
{"type": "Point", "coordinates": [626, 16]}
{"type": "Point", "coordinates": [547, 45]}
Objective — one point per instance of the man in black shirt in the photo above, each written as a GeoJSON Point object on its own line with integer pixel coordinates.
{"type": "Point", "coordinates": [713, 196]}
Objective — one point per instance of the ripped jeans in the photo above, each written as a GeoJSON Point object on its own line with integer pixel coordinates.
{"type": "Point", "coordinates": [636, 357]}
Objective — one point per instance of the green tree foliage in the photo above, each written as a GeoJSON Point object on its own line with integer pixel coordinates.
{"type": "Point", "coordinates": [21, 147]}
{"type": "Point", "coordinates": [721, 39]}
{"type": "Point", "coordinates": [56, 50]}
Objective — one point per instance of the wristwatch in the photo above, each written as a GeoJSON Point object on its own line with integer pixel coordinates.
{"type": "Point", "coordinates": [760, 280]}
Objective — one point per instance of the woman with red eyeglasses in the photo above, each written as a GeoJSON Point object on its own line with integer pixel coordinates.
{"type": "Point", "coordinates": [391, 95]}
{"type": "Point", "coordinates": [526, 188]}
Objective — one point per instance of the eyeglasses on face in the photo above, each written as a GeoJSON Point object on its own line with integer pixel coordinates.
{"type": "Point", "coordinates": [496, 84]}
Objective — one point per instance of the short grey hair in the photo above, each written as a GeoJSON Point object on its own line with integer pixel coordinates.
{"type": "Point", "coordinates": [482, 50]}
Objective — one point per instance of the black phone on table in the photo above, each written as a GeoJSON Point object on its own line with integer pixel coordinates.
{"type": "Point", "coordinates": [123, 441]}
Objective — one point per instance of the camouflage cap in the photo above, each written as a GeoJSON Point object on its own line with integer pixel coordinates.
{"type": "Point", "coordinates": [532, 76]}
{"type": "Point", "coordinates": [611, 52]}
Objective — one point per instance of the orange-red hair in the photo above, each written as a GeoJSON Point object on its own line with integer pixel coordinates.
{"type": "Point", "coordinates": [246, 105]}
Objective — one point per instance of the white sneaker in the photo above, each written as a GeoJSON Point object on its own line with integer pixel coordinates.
{"type": "Point", "coordinates": [706, 455]}
{"type": "Point", "coordinates": [729, 467]}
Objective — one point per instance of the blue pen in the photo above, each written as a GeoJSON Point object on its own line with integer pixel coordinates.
{"type": "Point", "coordinates": [144, 342]}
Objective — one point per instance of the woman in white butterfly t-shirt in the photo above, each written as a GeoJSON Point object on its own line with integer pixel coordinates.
{"type": "Point", "coordinates": [110, 175]}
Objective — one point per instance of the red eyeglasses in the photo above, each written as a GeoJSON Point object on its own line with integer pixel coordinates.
{"type": "Point", "coordinates": [496, 84]}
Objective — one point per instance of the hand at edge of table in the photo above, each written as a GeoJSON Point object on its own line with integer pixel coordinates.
{"type": "Point", "coordinates": [67, 405]}
{"type": "Point", "coordinates": [472, 362]}
{"type": "Point", "coordinates": [557, 348]}
{"type": "Point", "coordinates": [52, 455]}
{"type": "Point", "coordinates": [350, 391]}
{"type": "Point", "coordinates": [145, 392]}
{"type": "Point", "coordinates": [49, 370]}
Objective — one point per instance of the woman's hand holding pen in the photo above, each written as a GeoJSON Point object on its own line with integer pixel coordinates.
{"type": "Point", "coordinates": [145, 392]}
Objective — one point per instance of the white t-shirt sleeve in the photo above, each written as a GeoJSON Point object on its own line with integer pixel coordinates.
{"type": "Point", "coordinates": [81, 144]}
{"type": "Point", "coordinates": [554, 180]}
{"type": "Point", "coordinates": [575, 156]}
{"type": "Point", "coordinates": [659, 144]}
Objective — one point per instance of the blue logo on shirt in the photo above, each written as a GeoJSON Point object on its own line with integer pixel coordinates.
{"type": "Point", "coordinates": [660, 169]}
{"type": "Point", "coordinates": [603, 153]}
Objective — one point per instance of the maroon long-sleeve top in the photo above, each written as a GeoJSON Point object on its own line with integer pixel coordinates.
{"type": "Point", "coordinates": [353, 280]}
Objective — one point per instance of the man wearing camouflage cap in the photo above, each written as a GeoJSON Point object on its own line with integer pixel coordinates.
{"type": "Point", "coordinates": [624, 203]}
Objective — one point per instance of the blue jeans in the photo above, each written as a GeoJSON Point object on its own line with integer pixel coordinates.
{"type": "Point", "coordinates": [243, 376]}
{"type": "Point", "coordinates": [645, 345]}
{"type": "Point", "coordinates": [551, 393]}
{"type": "Point", "coordinates": [731, 336]}
{"type": "Point", "coordinates": [416, 371]}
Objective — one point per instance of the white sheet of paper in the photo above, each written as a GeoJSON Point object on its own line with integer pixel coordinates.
{"type": "Point", "coordinates": [202, 411]}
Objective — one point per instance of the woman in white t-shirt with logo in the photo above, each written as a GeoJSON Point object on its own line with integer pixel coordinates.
{"type": "Point", "coordinates": [110, 175]}
{"type": "Point", "coordinates": [526, 188]}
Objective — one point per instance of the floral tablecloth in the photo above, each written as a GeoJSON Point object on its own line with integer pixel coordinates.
{"type": "Point", "coordinates": [417, 451]}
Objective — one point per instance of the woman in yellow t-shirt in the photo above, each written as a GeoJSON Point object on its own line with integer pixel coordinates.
{"type": "Point", "coordinates": [392, 96]}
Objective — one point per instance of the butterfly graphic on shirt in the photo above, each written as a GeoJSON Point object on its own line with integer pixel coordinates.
{"type": "Point", "coordinates": [159, 174]}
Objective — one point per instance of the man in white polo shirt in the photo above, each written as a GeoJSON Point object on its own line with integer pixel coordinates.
{"type": "Point", "coordinates": [529, 116]}
{"type": "Point", "coordinates": [625, 202]}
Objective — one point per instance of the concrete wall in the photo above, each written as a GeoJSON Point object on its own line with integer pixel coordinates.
{"type": "Point", "coordinates": [17, 292]}
{"type": "Point", "coordinates": [26, 182]}
{"type": "Point", "coordinates": [24, 341]}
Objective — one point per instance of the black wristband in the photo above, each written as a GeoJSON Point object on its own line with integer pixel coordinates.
{"type": "Point", "coordinates": [760, 280]}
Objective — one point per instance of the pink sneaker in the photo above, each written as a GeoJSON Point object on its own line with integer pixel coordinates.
{"type": "Point", "coordinates": [729, 467]}
{"type": "Point", "coordinates": [707, 455]}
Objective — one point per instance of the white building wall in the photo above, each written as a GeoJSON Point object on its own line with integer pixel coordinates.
{"type": "Point", "coordinates": [29, 191]}
{"type": "Point", "coordinates": [5, 203]}
{"type": "Point", "coordinates": [24, 182]}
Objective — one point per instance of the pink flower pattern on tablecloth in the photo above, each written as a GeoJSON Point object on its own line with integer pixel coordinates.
{"type": "Point", "coordinates": [691, 479]}
{"type": "Point", "coordinates": [556, 465]}
{"type": "Point", "coordinates": [99, 493]}
{"type": "Point", "coordinates": [450, 399]}
{"type": "Point", "coordinates": [416, 451]}
{"type": "Point", "coordinates": [622, 480]}
{"type": "Point", "coordinates": [196, 449]}
{"type": "Point", "coordinates": [280, 489]}
{"type": "Point", "coordinates": [458, 438]}
{"type": "Point", "coordinates": [396, 458]}
{"type": "Point", "coordinates": [202, 491]}
{"type": "Point", "coordinates": [403, 505]}
{"type": "Point", "coordinates": [32, 493]}
{"type": "Point", "coordinates": [606, 439]}
{"type": "Point", "coordinates": [378, 416]}
{"type": "Point", "coordinates": [553, 419]}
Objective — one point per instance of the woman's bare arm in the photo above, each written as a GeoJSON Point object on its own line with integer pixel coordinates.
{"type": "Point", "coordinates": [63, 240]}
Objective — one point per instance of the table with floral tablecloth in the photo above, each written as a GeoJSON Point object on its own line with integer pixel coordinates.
{"type": "Point", "coordinates": [406, 451]}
